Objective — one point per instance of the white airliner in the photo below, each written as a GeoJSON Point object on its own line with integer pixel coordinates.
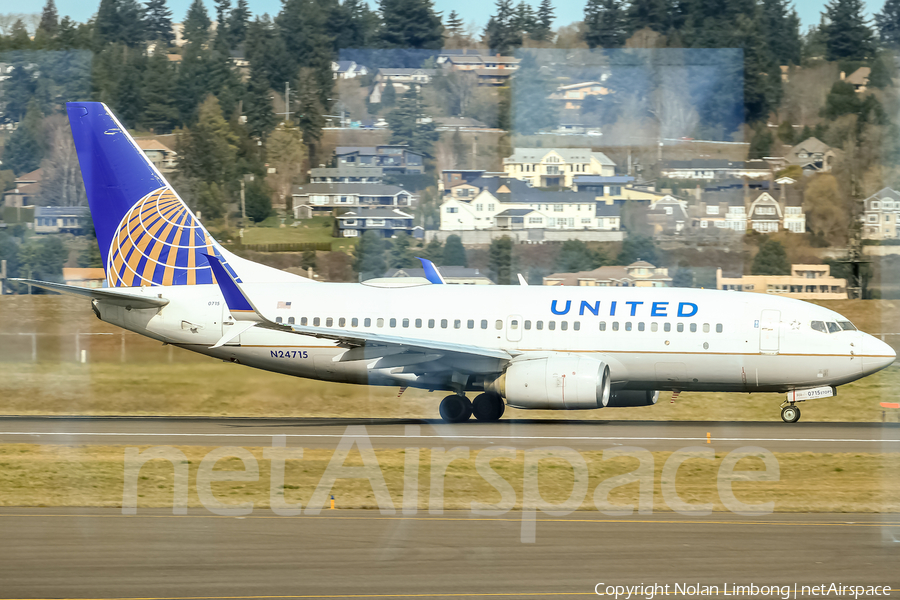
{"type": "Point", "coordinates": [523, 346]}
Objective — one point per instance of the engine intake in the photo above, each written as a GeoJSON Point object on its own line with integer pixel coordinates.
{"type": "Point", "coordinates": [632, 398]}
{"type": "Point", "coordinates": [555, 382]}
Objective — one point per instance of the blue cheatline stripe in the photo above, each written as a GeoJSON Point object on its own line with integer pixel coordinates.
{"type": "Point", "coordinates": [234, 298]}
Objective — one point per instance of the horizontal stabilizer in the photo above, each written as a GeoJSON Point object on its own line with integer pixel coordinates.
{"type": "Point", "coordinates": [108, 295]}
{"type": "Point", "coordinates": [233, 331]}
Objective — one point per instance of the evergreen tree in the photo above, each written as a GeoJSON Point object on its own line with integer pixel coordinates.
{"type": "Point", "coordinates": [130, 97]}
{"type": "Point", "coordinates": [368, 256]}
{"type": "Point", "coordinates": [18, 91]}
{"type": "Point", "coordinates": [267, 54]}
{"type": "Point", "coordinates": [786, 133]}
{"type": "Point", "coordinates": [648, 13]}
{"type": "Point", "coordinates": [532, 109]}
{"type": "Point", "coordinates": [350, 24]}
{"type": "Point", "coordinates": [410, 24]}
{"type": "Point", "coordinates": [542, 31]}
{"type": "Point", "coordinates": [160, 113]}
{"type": "Point", "coordinates": [502, 33]}
{"type": "Point", "coordinates": [303, 25]}
{"type": "Point", "coordinates": [389, 95]}
{"type": "Point", "coordinates": [841, 100]}
{"type": "Point", "coordinates": [261, 118]}
{"type": "Point", "coordinates": [434, 251]}
{"type": "Point", "coordinates": [48, 27]}
{"type": "Point", "coordinates": [780, 26]}
{"type": "Point", "coordinates": [454, 26]}
{"type": "Point", "coordinates": [883, 71]}
{"type": "Point", "coordinates": [454, 254]}
{"type": "Point", "coordinates": [605, 24]}
{"type": "Point", "coordinates": [310, 117]}
{"type": "Point", "coordinates": [24, 149]}
{"type": "Point", "coordinates": [133, 30]}
{"type": "Point", "coordinates": [401, 255]}
{"type": "Point", "coordinates": [196, 24]}
{"type": "Point", "coordinates": [574, 256]}
{"type": "Point", "coordinates": [158, 22]}
{"type": "Point", "coordinates": [771, 260]}
{"type": "Point", "coordinates": [761, 144]}
{"type": "Point", "coordinates": [238, 23]}
{"type": "Point", "coordinates": [208, 149]}
{"type": "Point", "coordinates": [258, 200]}
{"type": "Point", "coordinates": [500, 260]}
{"type": "Point", "coordinates": [638, 247]}
{"type": "Point", "coordinates": [406, 126]}
{"type": "Point", "coordinates": [107, 24]}
{"type": "Point", "coordinates": [191, 82]}
{"type": "Point", "coordinates": [524, 20]}
{"type": "Point", "coordinates": [847, 34]}
{"type": "Point", "coordinates": [888, 23]}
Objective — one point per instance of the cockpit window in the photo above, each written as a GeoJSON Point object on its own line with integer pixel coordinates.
{"type": "Point", "coordinates": [833, 327]}
{"type": "Point", "coordinates": [847, 325]}
{"type": "Point", "coordinates": [819, 326]}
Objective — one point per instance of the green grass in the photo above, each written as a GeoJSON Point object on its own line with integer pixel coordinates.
{"type": "Point", "coordinates": [314, 230]}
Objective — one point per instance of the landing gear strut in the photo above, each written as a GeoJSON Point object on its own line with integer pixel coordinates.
{"type": "Point", "coordinates": [488, 407]}
{"type": "Point", "coordinates": [456, 408]}
{"type": "Point", "coordinates": [790, 413]}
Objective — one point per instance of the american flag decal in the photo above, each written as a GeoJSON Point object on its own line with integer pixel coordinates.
{"type": "Point", "coordinates": [284, 305]}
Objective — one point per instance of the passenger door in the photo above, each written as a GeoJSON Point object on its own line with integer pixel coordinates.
{"type": "Point", "coordinates": [514, 328]}
{"type": "Point", "coordinates": [769, 331]}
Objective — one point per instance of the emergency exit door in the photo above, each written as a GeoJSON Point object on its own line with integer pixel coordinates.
{"type": "Point", "coordinates": [769, 331]}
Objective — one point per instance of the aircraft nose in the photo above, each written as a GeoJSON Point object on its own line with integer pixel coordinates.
{"type": "Point", "coordinates": [876, 355]}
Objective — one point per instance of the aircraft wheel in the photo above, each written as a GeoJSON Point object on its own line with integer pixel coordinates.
{"type": "Point", "coordinates": [456, 409]}
{"type": "Point", "coordinates": [488, 407]}
{"type": "Point", "coordinates": [790, 414]}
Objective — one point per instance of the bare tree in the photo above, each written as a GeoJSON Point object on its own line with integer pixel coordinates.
{"type": "Point", "coordinates": [61, 183]}
{"type": "Point", "coordinates": [672, 106]}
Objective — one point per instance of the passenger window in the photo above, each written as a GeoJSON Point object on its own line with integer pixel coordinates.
{"type": "Point", "coordinates": [819, 326]}
{"type": "Point", "coordinates": [430, 323]}
{"type": "Point", "coordinates": [833, 327]}
{"type": "Point", "coordinates": [602, 325]}
{"type": "Point", "coordinates": [418, 323]}
{"type": "Point", "coordinates": [551, 325]}
{"type": "Point", "coordinates": [667, 327]}
{"type": "Point", "coordinates": [514, 324]}
{"type": "Point", "coordinates": [706, 328]}
{"type": "Point", "coordinates": [303, 321]}
{"type": "Point", "coordinates": [627, 325]}
{"type": "Point", "coordinates": [693, 328]}
{"type": "Point", "coordinates": [615, 325]}
{"type": "Point", "coordinates": [290, 320]}
{"type": "Point", "coordinates": [342, 322]}
{"type": "Point", "coordinates": [367, 322]}
{"type": "Point", "coordinates": [654, 326]}
{"type": "Point", "coordinates": [564, 325]}
{"type": "Point", "coordinates": [484, 323]}
{"type": "Point", "coordinates": [316, 322]}
{"type": "Point", "coordinates": [406, 322]}
{"type": "Point", "coordinates": [847, 325]}
{"type": "Point", "coordinates": [680, 327]}
{"type": "Point", "coordinates": [457, 323]}
{"type": "Point", "coordinates": [278, 320]}
{"type": "Point", "coordinates": [470, 323]}
{"type": "Point", "coordinates": [354, 322]}
{"type": "Point", "coordinates": [498, 324]}
{"type": "Point", "coordinates": [393, 322]}
{"type": "Point", "coordinates": [527, 324]}
{"type": "Point", "coordinates": [718, 328]}
{"type": "Point", "coordinates": [539, 325]}
{"type": "Point", "coordinates": [641, 326]}
{"type": "Point", "coordinates": [329, 322]}
{"type": "Point", "coordinates": [443, 323]}
{"type": "Point", "coordinates": [379, 322]}
{"type": "Point", "coordinates": [576, 325]}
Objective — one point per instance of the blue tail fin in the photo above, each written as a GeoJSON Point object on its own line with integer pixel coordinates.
{"type": "Point", "coordinates": [147, 234]}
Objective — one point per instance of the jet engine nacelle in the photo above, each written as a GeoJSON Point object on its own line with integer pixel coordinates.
{"type": "Point", "coordinates": [554, 382]}
{"type": "Point", "coordinates": [632, 398]}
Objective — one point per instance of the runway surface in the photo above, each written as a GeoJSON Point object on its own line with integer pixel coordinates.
{"type": "Point", "coordinates": [398, 433]}
{"type": "Point", "coordinates": [99, 553]}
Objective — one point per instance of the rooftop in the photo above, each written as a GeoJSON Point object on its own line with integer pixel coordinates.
{"type": "Point", "coordinates": [363, 189]}
{"type": "Point", "coordinates": [534, 155]}
{"type": "Point", "coordinates": [376, 212]}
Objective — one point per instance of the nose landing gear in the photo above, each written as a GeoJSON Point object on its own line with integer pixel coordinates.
{"type": "Point", "coordinates": [790, 413]}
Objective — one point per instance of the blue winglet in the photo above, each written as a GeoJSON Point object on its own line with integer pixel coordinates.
{"type": "Point", "coordinates": [431, 272]}
{"type": "Point", "coordinates": [235, 299]}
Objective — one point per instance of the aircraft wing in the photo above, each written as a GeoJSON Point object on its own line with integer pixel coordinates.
{"type": "Point", "coordinates": [415, 355]}
{"type": "Point", "coordinates": [109, 295]}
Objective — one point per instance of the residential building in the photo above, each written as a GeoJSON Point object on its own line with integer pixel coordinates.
{"type": "Point", "coordinates": [806, 282]}
{"type": "Point", "coordinates": [859, 78]}
{"type": "Point", "coordinates": [346, 173]}
{"type": "Point", "coordinates": [60, 219]}
{"type": "Point", "coordinates": [812, 155]}
{"type": "Point", "coordinates": [556, 167]}
{"type": "Point", "coordinates": [322, 198]}
{"type": "Point", "coordinates": [488, 70]}
{"type": "Point", "coordinates": [493, 183]}
{"type": "Point", "coordinates": [162, 157]}
{"type": "Point", "coordinates": [572, 96]}
{"type": "Point", "coordinates": [881, 215]}
{"type": "Point", "coordinates": [392, 159]}
{"type": "Point", "coordinates": [452, 177]}
{"type": "Point", "coordinates": [710, 169]}
{"type": "Point", "coordinates": [401, 79]}
{"type": "Point", "coordinates": [765, 214]}
{"type": "Point", "coordinates": [26, 189]}
{"type": "Point", "coordinates": [668, 213]}
{"type": "Point", "coordinates": [385, 221]}
{"type": "Point", "coordinates": [720, 210]}
{"type": "Point", "coordinates": [451, 275]}
{"type": "Point", "coordinates": [601, 185]}
{"type": "Point", "coordinates": [638, 274]}
{"type": "Point", "coordinates": [84, 277]}
{"type": "Point", "coordinates": [458, 124]}
{"type": "Point", "coordinates": [347, 69]}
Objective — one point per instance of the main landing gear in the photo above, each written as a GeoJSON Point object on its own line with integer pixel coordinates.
{"type": "Point", "coordinates": [486, 407]}
{"type": "Point", "coordinates": [790, 413]}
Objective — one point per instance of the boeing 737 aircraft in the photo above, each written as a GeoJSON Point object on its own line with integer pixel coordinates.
{"type": "Point", "coordinates": [527, 347]}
